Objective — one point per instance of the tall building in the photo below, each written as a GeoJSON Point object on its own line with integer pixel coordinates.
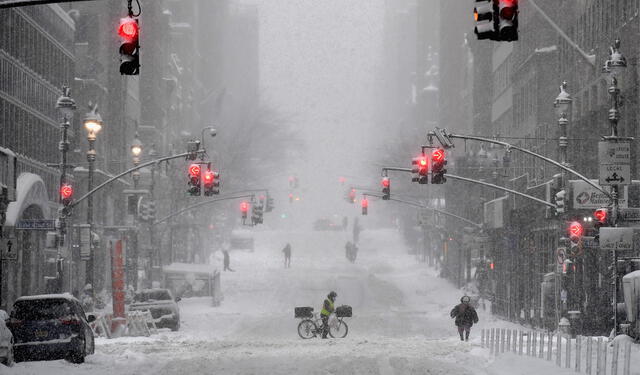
{"type": "Point", "coordinates": [36, 60]}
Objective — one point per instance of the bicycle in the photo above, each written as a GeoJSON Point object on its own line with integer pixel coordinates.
{"type": "Point", "coordinates": [311, 324]}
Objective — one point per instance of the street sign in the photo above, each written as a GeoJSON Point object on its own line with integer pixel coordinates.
{"type": "Point", "coordinates": [629, 214]}
{"type": "Point", "coordinates": [585, 196]}
{"type": "Point", "coordinates": [36, 224]}
{"type": "Point", "coordinates": [615, 162]}
{"type": "Point", "coordinates": [9, 249]}
{"type": "Point", "coordinates": [616, 238]}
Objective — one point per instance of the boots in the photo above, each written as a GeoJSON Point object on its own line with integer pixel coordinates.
{"type": "Point", "coordinates": [461, 337]}
{"type": "Point", "coordinates": [466, 336]}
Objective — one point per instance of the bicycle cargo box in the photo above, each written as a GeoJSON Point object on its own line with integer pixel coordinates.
{"type": "Point", "coordinates": [304, 312]}
{"type": "Point", "coordinates": [343, 311]}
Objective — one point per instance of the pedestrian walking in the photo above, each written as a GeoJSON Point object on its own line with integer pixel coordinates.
{"type": "Point", "coordinates": [287, 255]}
{"type": "Point", "coordinates": [226, 261]}
{"type": "Point", "coordinates": [466, 316]}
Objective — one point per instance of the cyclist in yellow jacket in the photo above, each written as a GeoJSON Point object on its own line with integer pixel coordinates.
{"type": "Point", "coordinates": [327, 309]}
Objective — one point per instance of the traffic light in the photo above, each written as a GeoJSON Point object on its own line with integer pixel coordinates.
{"type": "Point", "coordinates": [151, 211]}
{"type": "Point", "coordinates": [290, 198]}
{"type": "Point", "coordinates": [256, 214]}
{"type": "Point", "coordinates": [66, 197]}
{"type": "Point", "coordinates": [420, 167]}
{"type": "Point", "coordinates": [386, 188]}
{"type": "Point", "coordinates": [194, 179]}
{"type": "Point", "coordinates": [211, 182]}
{"type": "Point", "coordinates": [365, 206]}
{"type": "Point", "coordinates": [352, 196]}
{"type": "Point", "coordinates": [438, 161]}
{"type": "Point", "coordinates": [576, 230]}
{"type": "Point", "coordinates": [602, 216]}
{"type": "Point", "coordinates": [130, 47]}
{"type": "Point", "coordinates": [244, 208]}
{"type": "Point", "coordinates": [508, 20]}
{"type": "Point", "coordinates": [484, 15]}
{"type": "Point", "coordinates": [561, 206]}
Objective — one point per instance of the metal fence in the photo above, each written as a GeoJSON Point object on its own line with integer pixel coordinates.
{"type": "Point", "coordinates": [588, 355]}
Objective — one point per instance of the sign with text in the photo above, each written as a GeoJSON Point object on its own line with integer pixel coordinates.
{"type": "Point", "coordinates": [36, 224]}
{"type": "Point", "coordinates": [586, 196]}
{"type": "Point", "coordinates": [616, 238]}
{"type": "Point", "coordinates": [630, 214]}
{"type": "Point", "coordinates": [615, 162]}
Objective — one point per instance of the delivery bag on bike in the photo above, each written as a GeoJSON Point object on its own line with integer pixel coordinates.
{"type": "Point", "coordinates": [303, 312]}
{"type": "Point", "coordinates": [343, 311]}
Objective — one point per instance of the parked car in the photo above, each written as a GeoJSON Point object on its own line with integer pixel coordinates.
{"type": "Point", "coordinates": [6, 341]}
{"type": "Point", "coordinates": [163, 307]}
{"type": "Point", "coordinates": [50, 326]}
{"type": "Point", "coordinates": [331, 223]}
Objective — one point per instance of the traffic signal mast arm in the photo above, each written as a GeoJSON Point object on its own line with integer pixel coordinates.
{"type": "Point", "coordinates": [20, 3]}
{"type": "Point", "coordinates": [509, 146]}
{"type": "Point", "coordinates": [139, 166]}
{"type": "Point", "coordinates": [188, 208]}
{"type": "Point", "coordinates": [501, 188]}
{"type": "Point", "coordinates": [485, 184]}
{"type": "Point", "coordinates": [416, 204]}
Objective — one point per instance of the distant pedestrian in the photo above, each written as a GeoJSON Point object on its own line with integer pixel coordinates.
{"type": "Point", "coordinates": [466, 316]}
{"type": "Point", "coordinates": [287, 255]}
{"type": "Point", "coordinates": [345, 223]}
{"type": "Point", "coordinates": [356, 230]}
{"type": "Point", "coordinates": [226, 261]}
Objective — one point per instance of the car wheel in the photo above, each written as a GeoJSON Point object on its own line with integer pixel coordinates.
{"type": "Point", "coordinates": [79, 354]}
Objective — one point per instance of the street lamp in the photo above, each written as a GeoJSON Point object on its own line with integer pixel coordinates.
{"type": "Point", "coordinates": [136, 151]}
{"type": "Point", "coordinates": [93, 125]}
{"type": "Point", "coordinates": [562, 105]}
{"type": "Point", "coordinates": [66, 105]}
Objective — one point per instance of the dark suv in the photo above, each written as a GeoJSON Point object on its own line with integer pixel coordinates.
{"type": "Point", "coordinates": [51, 326]}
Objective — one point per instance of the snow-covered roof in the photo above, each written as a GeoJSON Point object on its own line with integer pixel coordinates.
{"type": "Point", "coordinates": [66, 296]}
{"type": "Point", "coordinates": [189, 268]}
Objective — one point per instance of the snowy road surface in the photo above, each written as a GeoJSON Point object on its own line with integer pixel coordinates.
{"type": "Point", "coordinates": [400, 323]}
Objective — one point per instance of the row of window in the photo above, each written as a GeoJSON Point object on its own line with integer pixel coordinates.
{"type": "Point", "coordinates": [27, 88]}
{"type": "Point", "coordinates": [24, 133]}
{"type": "Point", "coordinates": [22, 40]}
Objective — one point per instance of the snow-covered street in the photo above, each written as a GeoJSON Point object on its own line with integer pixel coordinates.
{"type": "Point", "coordinates": [400, 323]}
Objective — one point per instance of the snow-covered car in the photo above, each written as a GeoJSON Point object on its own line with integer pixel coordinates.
{"type": "Point", "coordinates": [162, 306]}
{"type": "Point", "coordinates": [6, 341]}
{"type": "Point", "coordinates": [50, 326]}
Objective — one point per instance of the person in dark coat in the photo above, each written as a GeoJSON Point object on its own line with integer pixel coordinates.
{"type": "Point", "coordinates": [287, 256]}
{"type": "Point", "coordinates": [226, 261]}
{"type": "Point", "coordinates": [466, 316]}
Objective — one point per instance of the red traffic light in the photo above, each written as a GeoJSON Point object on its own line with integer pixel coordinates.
{"type": "Point", "coordinates": [508, 9]}
{"type": "Point", "coordinates": [437, 155]}
{"type": "Point", "coordinates": [66, 191]}
{"type": "Point", "coordinates": [601, 215]}
{"type": "Point", "coordinates": [194, 170]}
{"type": "Point", "coordinates": [208, 177]}
{"type": "Point", "coordinates": [244, 206]}
{"type": "Point", "coordinates": [576, 229]}
{"type": "Point", "coordinates": [492, 266]}
{"type": "Point", "coordinates": [423, 162]}
{"type": "Point", "coordinates": [365, 203]}
{"type": "Point", "coordinates": [386, 182]}
{"type": "Point", "coordinates": [128, 28]}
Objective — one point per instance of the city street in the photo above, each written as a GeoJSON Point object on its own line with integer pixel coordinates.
{"type": "Point", "coordinates": [400, 323]}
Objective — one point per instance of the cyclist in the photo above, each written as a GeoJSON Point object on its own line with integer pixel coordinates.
{"type": "Point", "coordinates": [465, 316]}
{"type": "Point", "coordinates": [327, 309]}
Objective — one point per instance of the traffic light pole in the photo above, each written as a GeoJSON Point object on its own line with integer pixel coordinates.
{"type": "Point", "coordinates": [509, 146]}
{"type": "Point", "coordinates": [419, 205]}
{"type": "Point", "coordinates": [139, 166]}
{"type": "Point", "coordinates": [207, 202]}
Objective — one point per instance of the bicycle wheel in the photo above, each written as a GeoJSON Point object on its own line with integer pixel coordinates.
{"type": "Point", "coordinates": [307, 329]}
{"type": "Point", "coordinates": [338, 330]}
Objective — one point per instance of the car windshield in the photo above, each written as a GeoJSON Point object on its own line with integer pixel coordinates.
{"type": "Point", "coordinates": [44, 309]}
{"type": "Point", "coordinates": [152, 295]}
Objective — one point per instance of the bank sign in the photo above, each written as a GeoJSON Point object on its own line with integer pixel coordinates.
{"type": "Point", "coordinates": [586, 196]}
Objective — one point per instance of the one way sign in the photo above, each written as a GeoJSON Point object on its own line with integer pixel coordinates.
{"type": "Point", "coordinates": [615, 162]}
